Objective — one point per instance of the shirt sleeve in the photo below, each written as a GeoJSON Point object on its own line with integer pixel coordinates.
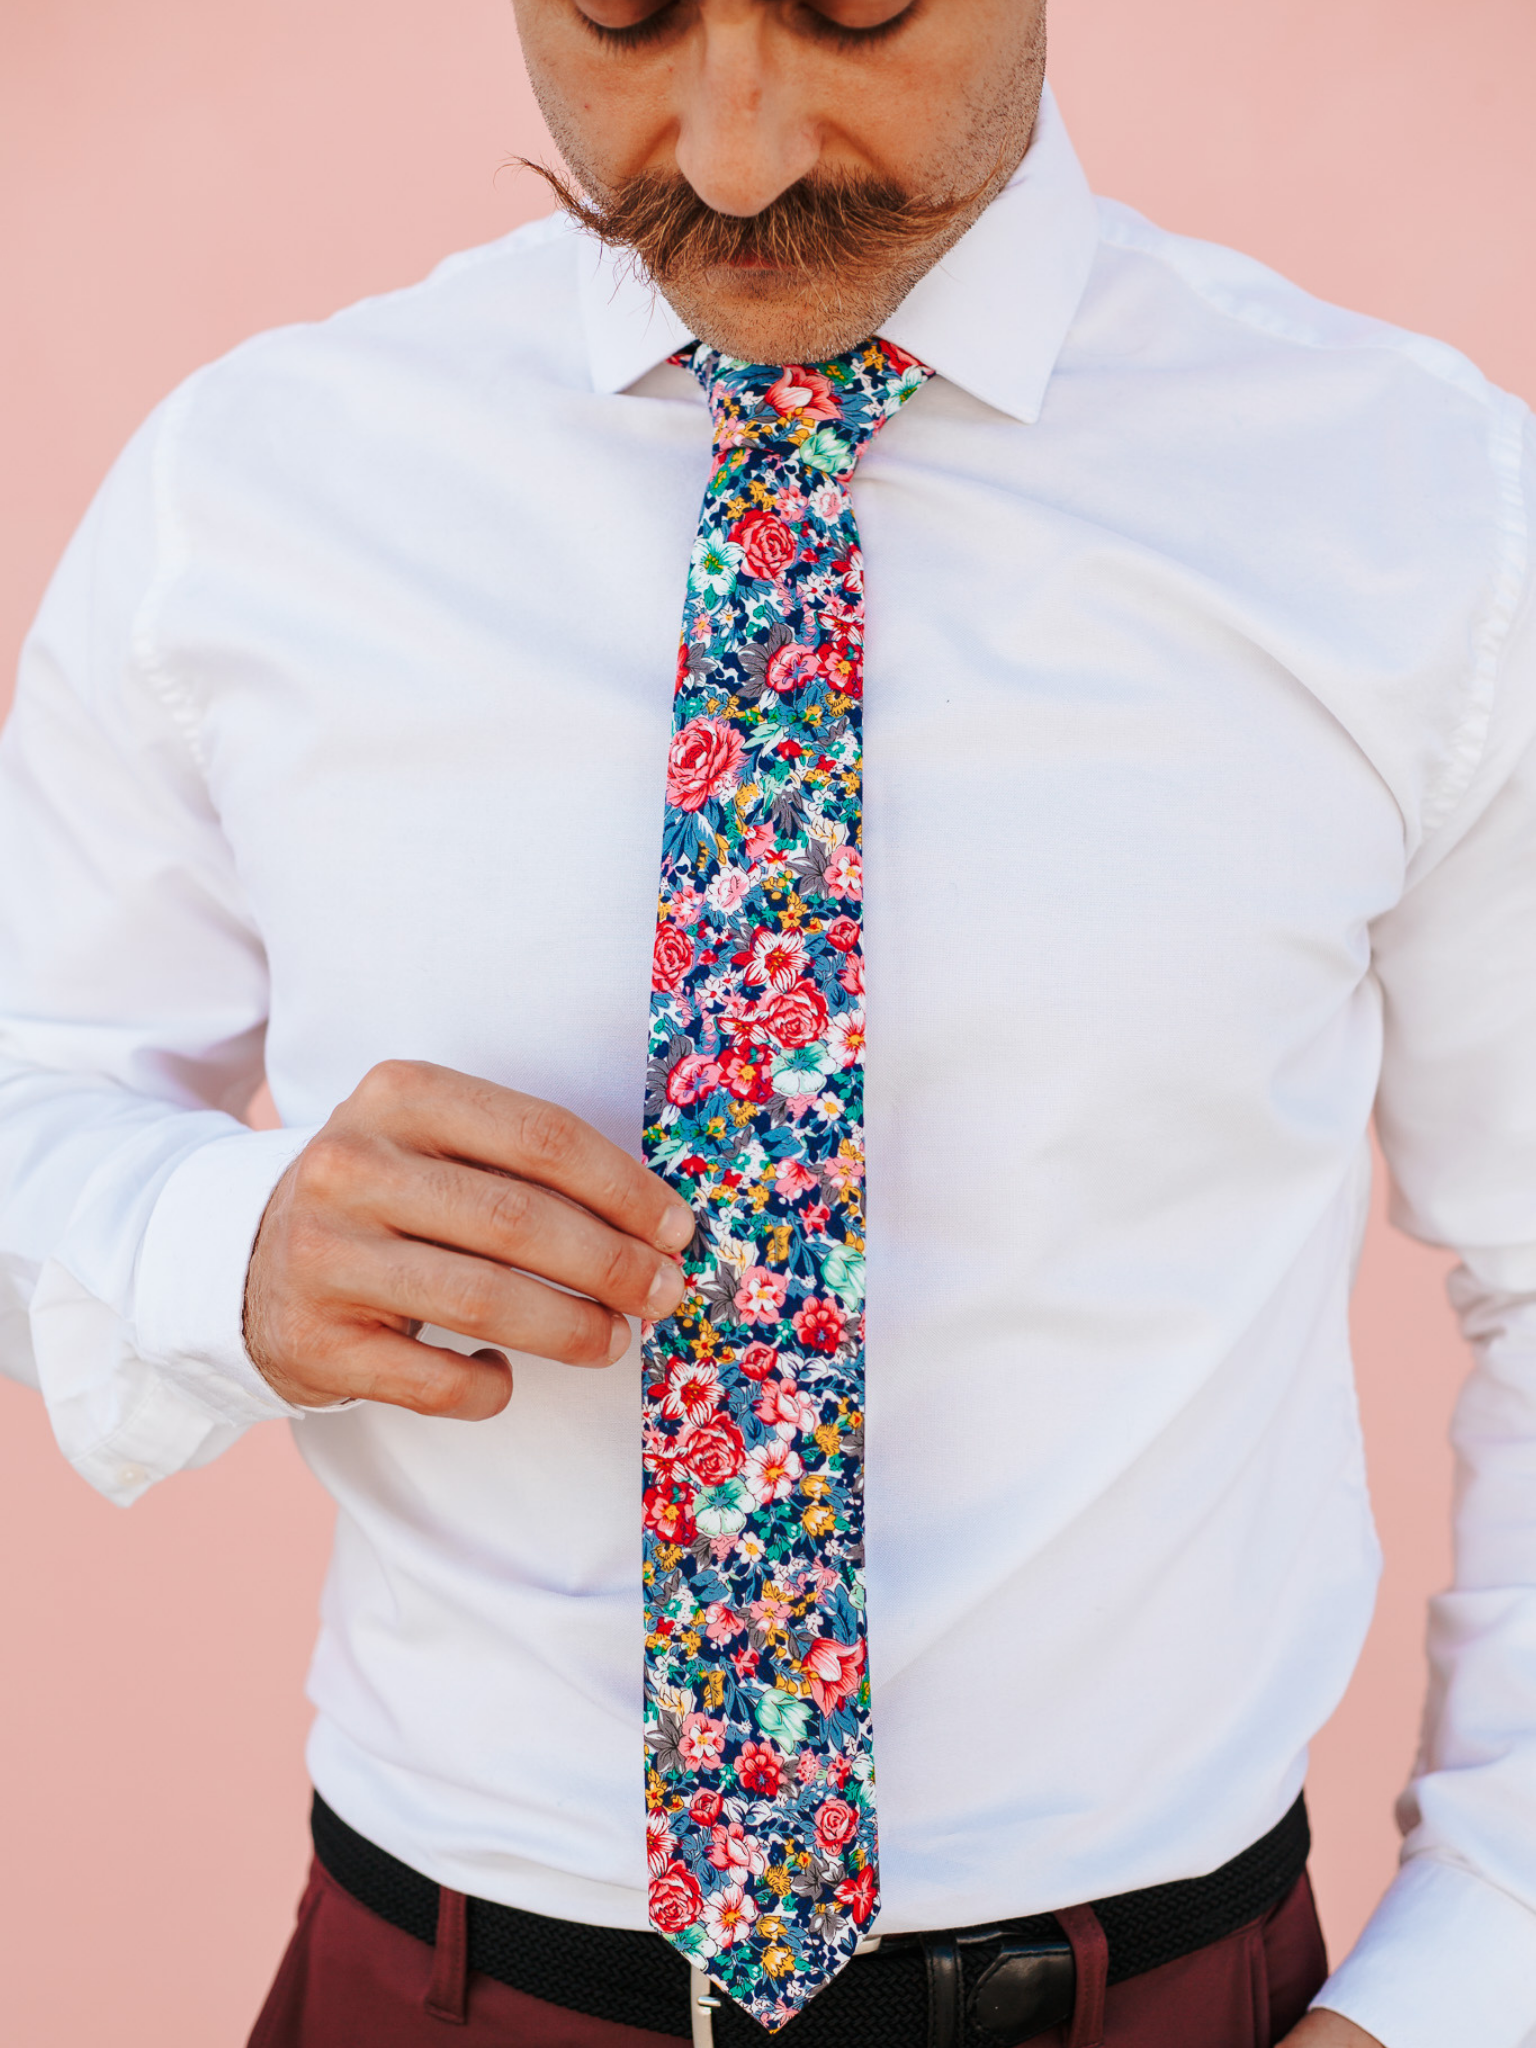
{"type": "Point", "coordinates": [1450, 1954]}
{"type": "Point", "coordinates": [132, 1012]}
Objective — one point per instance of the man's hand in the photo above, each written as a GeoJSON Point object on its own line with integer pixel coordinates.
{"type": "Point", "coordinates": [430, 1197]}
{"type": "Point", "coordinates": [1323, 2029]}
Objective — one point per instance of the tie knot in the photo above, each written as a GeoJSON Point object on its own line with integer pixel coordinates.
{"type": "Point", "coordinates": [823, 414]}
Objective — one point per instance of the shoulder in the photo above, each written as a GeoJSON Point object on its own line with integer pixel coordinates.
{"type": "Point", "coordinates": [487, 322]}
{"type": "Point", "coordinates": [1273, 359]}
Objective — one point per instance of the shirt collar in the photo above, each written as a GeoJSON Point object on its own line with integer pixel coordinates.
{"type": "Point", "coordinates": [991, 316]}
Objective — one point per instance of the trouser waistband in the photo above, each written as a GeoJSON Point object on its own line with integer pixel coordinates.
{"type": "Point", "coordinates": [985, 1986]}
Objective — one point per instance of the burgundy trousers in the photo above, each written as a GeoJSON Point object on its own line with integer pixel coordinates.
{"type": "Point", "coordinates": [351, 1980]}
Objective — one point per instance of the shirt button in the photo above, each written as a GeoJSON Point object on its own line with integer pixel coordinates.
{"type": "Point", "coordinates": [131, 1475]}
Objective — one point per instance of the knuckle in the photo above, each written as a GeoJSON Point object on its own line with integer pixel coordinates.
{"type": "Point", "coordinates": [474, 1296]}
{"type": "Point", "coordinates": [619, 1276]}
{"type": "Point", "coordinates": [440, 1389]}
{"type": "Point", "coordinates": [392, 1084]}
{"type": "Point", "coordinates": [509, 1207]}
{"type": "Point", "coordinates": [548, 1134]}
{"type": "Point", "coordinates": [329, 1167]}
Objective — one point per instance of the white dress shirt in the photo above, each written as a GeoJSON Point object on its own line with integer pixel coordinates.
{"type": "Point", "coordinates": [1200, 810]}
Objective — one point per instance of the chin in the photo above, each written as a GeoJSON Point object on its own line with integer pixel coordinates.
{"type": "Point", "coordinates": [774, 316]}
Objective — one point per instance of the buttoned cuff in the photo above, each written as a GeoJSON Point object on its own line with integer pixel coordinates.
{"type": "Point", "coordinates": [1446, 1957]}
{"type": "Point", "coordinates": [189, 1290]}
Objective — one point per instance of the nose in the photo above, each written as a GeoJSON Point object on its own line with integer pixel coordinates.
{"type": "Point", "coordinates": [744, 133]}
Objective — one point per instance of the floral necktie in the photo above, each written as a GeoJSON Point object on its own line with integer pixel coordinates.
{"type": "Point", "coordinates": [760, 1780]}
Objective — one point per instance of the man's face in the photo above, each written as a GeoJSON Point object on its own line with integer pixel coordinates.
{"type": "Point", "coordinates": [880, 129]}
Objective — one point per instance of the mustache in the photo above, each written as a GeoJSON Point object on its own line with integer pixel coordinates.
{"type": "Point", "coordinates": [844, 226]}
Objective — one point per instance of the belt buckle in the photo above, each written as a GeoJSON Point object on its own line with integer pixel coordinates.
{"type": "Point", "coordinates": [1028, 1988]}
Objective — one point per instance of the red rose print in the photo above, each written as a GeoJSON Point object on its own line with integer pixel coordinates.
{"type": "Point", "coordinates": [858, 1895]}
{"type": "Point", "coordinates": [795, 1016]}
{"type": "Point", "coordinates": [758, 1360]}
{"type": "Point", "coordinates": [761, 1769]}
{"type": "Point", "coordinates": [767, 543]}
{"type": "Point", "coordinates": [705, 762]}
{"type": "Point", "coordinates": [671, 958]}
{"type": "Point", "coordinates": [713, 1451]}
{"type": "Point", "coordinates": [843, 933]}
{"type": "Point", "coordinates": [704, 1808]}
{"type": "Point", "coordinates": [675, 1899]}
{"type": "Point", "coordinates": [791, 666]}
{"type": "Point", "coordinates": [819, 1325]}
{"type": "Point", "coordinates": [836, 1823]}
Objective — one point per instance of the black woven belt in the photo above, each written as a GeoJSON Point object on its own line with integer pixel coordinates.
{"type": "Point", "coordinates": [639, 1980]}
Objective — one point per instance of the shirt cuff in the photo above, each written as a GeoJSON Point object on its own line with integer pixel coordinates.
{"type": "Point", "coordinates": [189, 1291]}
{"type": "Point", "coordinates": [1445, 1957]}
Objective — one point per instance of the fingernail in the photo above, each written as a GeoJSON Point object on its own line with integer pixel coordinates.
{"type": "Point", "coordinates": [675, 1230]}
{"type": "Point", "coordinates": [620, 1344]}
{"type": "Point", "coordinates": [667, 1290]}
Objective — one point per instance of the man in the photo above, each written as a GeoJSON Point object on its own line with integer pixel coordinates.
{"type": "Point", "coordinates": [1194, 784]}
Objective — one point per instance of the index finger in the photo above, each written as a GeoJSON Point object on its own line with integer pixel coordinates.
{"type": "Point", "coordinates": [483, 1124]}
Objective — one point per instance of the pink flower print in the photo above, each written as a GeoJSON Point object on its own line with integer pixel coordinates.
{"type": "Point", "coordinates": [773, 1609]}
{"type": "Point", "coordinates": [734, 1851]}
{"type": "Point", "coordinates": [758, 843]}
{"type": "Point", "coordinates": [827, 503]}
{"type": "Point", "coordinates": [772, 1472]}
{"type": "Point", "coordinates": [816, 1215]}
{"type": "Point", "coordinates": [845, 1039]}
{"type": "Point", "coordinates": [674, 1899]}
{"type": "Point", "coordinates": [728, 1916]}
{"type": "Point", "coordinates": [797, 389]}
{"type": "Point", "coordinates": [686, 904]}
{"type": "Point", "coordinates": [712, 1451]}
{"type": "Point", "coordinates": [692, 1077]}
{"type": "Point", "coordinates": [702, 1742]}
{"type": "Point", "coordinates": [852, 976]}
{"type": "Point", "coordinates": [671, 958]}
{"type": "Point", "coordinates": [845, 872]}
{"type": "Point", "coordinates": [760, 1295]}
{"type": "Point", "coordinates": [721, 1623]}
{"type": "Point", "coordinates": [727, 888]}
{"type": "Point", "coordinates": [693, 1391]}
{"type": "Point", "coordinates": [758, 1360]}
{"type": "Point", "coordinates": [785, 1409]}
{"type": "Point", "coordinates": [791, 667]}
{"type": "Point", "coordinates": [791, 503]}
{"type": "Point", "coordinates": [794, 1016]}
{"type": "Point", "coordinates": [834, 1670]}
{"type": "Point", "coordinates": [807, 1767]}
{"type": "Point", "coordinates": [704, 762]}
{"type": "Point", "coordinates": [836, 1825]}
{"type": "Point", "coordinates": [776, 959]}
{"type": "Point", "coordinates": [659, 1842]}
{"type": "Point", "coordinates": [845, 1171]}
{"type": "Point", "coordinates": [744, 1660]}
{"type": "Point", "coordinates": [792, 1180]}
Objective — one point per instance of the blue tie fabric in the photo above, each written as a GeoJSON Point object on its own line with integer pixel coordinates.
{"type": "Point", "coordinates": [759, 1758]}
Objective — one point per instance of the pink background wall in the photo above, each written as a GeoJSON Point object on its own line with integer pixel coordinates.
{"type": "Point", "coordinates": [177, 173]}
